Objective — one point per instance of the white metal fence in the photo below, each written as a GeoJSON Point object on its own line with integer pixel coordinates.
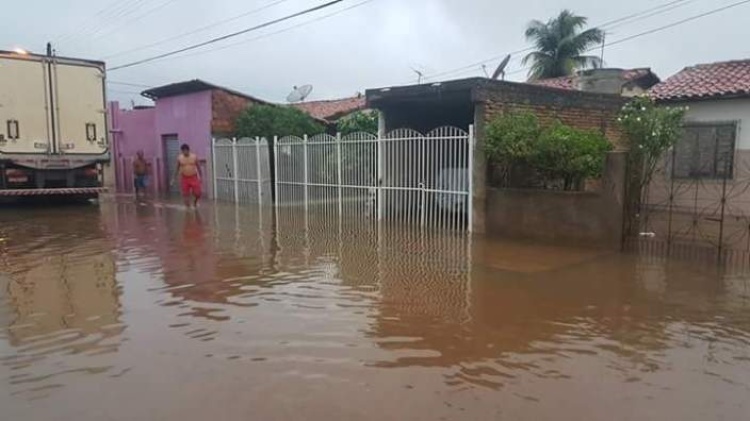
{"type": "Point", "coordinates": [241, 170]}
{"type": "Point", "coordinates": [403, 176]}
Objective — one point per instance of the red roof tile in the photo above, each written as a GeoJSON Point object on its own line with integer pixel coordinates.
{"type": "Point", "coordinates": [570, 82]}
{"type": "Point", "coordinates": [332, 109]}
{"type": "Point", "coordinates": [715, 80]}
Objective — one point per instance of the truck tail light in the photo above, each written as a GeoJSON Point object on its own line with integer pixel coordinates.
{"type": "Point", "coordinates": [16, 176]}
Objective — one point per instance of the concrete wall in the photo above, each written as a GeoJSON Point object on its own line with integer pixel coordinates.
{"type": "Point", "coordinates": [187, 116]}
{"type": "Point", "coordinates": [703, 196]}
{"type": "Point", "coordinates": [583, 110]}
{"type": "Point", "coordinates": [580, 218]}
{"type": "Point", "coordinates": [723, 111]}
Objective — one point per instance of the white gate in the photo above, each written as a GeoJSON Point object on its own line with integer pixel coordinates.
{"type": "Point", "coordinates": [404, 176]}
{"type": "Point", "coordinates": [241, 170]}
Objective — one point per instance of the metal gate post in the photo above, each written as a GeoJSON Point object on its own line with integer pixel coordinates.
{"type": "Point", "coordinates": [304, 149]}
{"type": "Point", "coordinates": [234, 172]}
{"type": "Point", "coordinates": [340, 180]}
{"type": "Point", "coordinates": [213, 169]}
{"type": "Point", "coordinates": [470, 199]}
{"type": "Point", "coordinates": [257, 167]}
{"type": "Point", "coordinates": [276, 170]}
{"type": "Point", "coordinates": [379, 166]}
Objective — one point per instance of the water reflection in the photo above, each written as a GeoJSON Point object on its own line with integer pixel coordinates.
{"type": "Point", "coordinates": [60, 297]}
{"type": "Point", "coordinates": [331, 309]}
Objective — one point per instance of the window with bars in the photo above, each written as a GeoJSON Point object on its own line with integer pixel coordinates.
{"type": "Point", "coordinates": [706, 150]}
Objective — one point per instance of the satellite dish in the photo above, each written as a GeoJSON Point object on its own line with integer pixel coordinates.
{"type": "Point", "coordinates": [501, 68]}
{"type": "Point", "coordinates": [299, 94]}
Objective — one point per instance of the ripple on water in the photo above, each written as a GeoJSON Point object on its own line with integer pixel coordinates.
{"type": "Point", "coordinates": [103, 299]}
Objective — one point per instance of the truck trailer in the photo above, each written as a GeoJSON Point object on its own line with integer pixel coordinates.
{"type": "Point", "coordinates": [53, 125]}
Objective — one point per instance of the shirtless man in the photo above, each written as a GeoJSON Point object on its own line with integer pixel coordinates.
{"type": "Point", "coordinates": [189, 171]}
{"type": "Point", "coordinates": [140, 174]}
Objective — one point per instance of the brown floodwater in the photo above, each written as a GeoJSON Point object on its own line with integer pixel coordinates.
{"type": "Point", "coordinates": [150, 312]}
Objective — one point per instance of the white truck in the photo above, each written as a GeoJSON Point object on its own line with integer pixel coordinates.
{"type": "Point", "coordinates": [53, 125]}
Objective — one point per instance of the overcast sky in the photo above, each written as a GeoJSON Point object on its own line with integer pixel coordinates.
{"type": "Point", "coordinates": [376, 44]}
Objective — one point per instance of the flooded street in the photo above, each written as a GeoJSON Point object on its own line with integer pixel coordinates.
{"type": "Point", "coordinates": [126, 312]}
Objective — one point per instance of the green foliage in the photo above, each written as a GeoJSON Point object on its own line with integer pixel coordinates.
{"type": "Point", "coordinates": [569, 154]}
{"type": "Point", "coordinates": [560, 46]}
{"type": "Point", "coordinates": [651, 130]}
{"type": "Point", "coordinates": [268, 121]}
{"type": "Point", "coordinates": [511, 138]}
{"type": "Point", "coordinates": [360, 121]}
{"type": "Point", "coordinates": [559, 154]}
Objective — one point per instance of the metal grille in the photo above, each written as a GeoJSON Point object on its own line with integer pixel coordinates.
{"type": "Point", "coordinates": [404, 176]}
{"type": "Point", "coordinates": [242, 171]}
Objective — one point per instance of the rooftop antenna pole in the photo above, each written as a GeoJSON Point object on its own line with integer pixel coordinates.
{"type": "Point", "coordinates": [604, 43]}
{"type": "Point", "coordinates": [420, 75]}
{"type": "Point", "coordinates": [486, 73]}
{"type": "Point", "coordinates": [500, 71]}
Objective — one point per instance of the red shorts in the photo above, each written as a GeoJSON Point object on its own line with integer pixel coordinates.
{"type": "Point", "coordinates": [190, 184]}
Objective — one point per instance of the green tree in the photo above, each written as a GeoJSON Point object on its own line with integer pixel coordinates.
{"type": "Point", "coordinates": [561, 46]}
{"type": "Point", "coordinates": [269, 121]}
{"type": "Point", "coordinates": [650, 131]}
{"type": "Point", "coordinates": [359, 121]}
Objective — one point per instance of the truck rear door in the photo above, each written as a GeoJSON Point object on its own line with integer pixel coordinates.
{"type": "Point", "coordinates": [24, 122]}
{"type": "Point", "coordinates": [79, 94]}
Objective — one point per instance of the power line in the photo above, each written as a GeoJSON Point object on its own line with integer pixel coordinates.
{"type": "Point", "coordinates": [228, 36]}
{"type": "Point", "coordinates": [305, 23]}
{"type": "Point", "coordinates": [680, 22]}
{"type": "Point", "coordinates": [631, 18]}
{"type": "Point", "coordinates": [137, 85]}
{"type": "Point", "coordinates": [114, 29]}
{"type": "Point", "coordinates": [195, 31]}
{"type": "Point", "coordinates": [102, 17]}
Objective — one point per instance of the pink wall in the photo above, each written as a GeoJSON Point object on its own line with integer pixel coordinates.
{"type": "Point", "coordinates": [187, 116]}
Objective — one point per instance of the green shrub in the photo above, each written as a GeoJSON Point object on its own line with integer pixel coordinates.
{"type": "Point", "coordinates": [510, 138]}
{"type": "Point", "coordinates": [268, 121]}
{"type": "Point", "coordinates": [558, 155]}
{"type": "Point", "coordinates": [360, 121]}
{"type": "Point", "coordinates": [569, 155]}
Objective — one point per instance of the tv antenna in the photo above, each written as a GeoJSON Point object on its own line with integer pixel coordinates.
{"type": "Point", "coordinates": [486, 73]}
{"type": "Point", "coordinates": [420, 75]}
{"type": "Point", "coordinates": [299, 94]}
{"type": "Point", "coordinates": [500, 71]}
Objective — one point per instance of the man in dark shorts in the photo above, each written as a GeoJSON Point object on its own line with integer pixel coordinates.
{"type": "Point", "coordinates": [140, 174]}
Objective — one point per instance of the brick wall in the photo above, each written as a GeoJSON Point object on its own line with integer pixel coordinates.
{"type": "Point", "coordinates": [583, 110]}
{"type": "Point", "coordinates": [226, 107]}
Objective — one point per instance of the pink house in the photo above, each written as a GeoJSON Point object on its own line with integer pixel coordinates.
{"type": "Point", "coordinates": [191, 112]}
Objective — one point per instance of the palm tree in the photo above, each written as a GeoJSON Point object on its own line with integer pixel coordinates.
{"type": "Point", "coordinates": [561, 46]}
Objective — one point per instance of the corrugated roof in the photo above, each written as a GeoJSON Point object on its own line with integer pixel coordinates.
{"type": "Point", "coordinates": [192, 86]}
{"type": "Point", "coordinates": [714, 80]}
{"type": "Point", "coordinates": [332, 109]}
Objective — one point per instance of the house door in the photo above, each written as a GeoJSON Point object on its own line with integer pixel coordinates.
{"type": "Point", "coordinates": [171, 151]}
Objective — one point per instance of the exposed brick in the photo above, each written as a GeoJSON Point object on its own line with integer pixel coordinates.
{"type": "Point", "coordinates": [581, 110]}
{"type": "Point", "coordinates": [226, 107]}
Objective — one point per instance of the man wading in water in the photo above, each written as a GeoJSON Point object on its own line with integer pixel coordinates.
{"type": "Point", "coordinates": [140, 175]}
{"type": "Point", "coordinates": [189, 171]}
